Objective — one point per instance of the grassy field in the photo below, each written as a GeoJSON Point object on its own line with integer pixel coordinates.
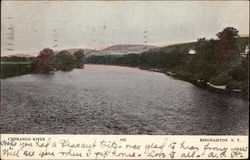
{"type": "Point", "coordinates": [25, 62]}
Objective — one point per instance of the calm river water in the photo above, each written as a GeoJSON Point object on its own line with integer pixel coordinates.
{"type": "Point", "coordinates": [116, 100]}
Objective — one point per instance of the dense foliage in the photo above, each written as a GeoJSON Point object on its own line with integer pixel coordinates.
{"type": "Point", "coordinates": [44, 61]}
{"type": "Point", "coordinates": [64, 61]}
{"type": "Point", "coordinates": [79, 58]}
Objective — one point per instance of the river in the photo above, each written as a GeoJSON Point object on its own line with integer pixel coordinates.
{"type": "Point", "coordinates": [116, 100]}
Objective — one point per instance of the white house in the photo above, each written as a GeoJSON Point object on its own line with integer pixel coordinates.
{"type": "Point", "coordinates": [191, 51]}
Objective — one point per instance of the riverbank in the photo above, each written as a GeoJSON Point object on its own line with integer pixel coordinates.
{"type": "Point", "coordinates": [200, 83]}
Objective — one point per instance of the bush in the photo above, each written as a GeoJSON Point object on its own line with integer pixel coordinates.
{"type": "Point", "coordinates": [64, 61]}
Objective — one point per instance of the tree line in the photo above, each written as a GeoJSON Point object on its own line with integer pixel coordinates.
{"type": "Point", "coordinates": [46, 62]}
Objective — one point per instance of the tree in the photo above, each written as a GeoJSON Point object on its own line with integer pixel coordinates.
{"type": "Point", "coordinates": [228, 43]}
{"type": "Point", "coordinates": [79, 58]}
{"type": "Point", "coordinates": [64, 61]}
{"type": "Point", "coordinates": [44, 61]}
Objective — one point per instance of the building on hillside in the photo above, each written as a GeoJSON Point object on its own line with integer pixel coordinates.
{"type": "Point", "coordinates": [192, 52]}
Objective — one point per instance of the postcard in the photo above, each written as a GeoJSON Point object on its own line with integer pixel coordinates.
{"type": "Point", "coordinates": [124, 80]}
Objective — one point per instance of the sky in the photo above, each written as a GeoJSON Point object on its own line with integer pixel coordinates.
{"type": "Point", "coordinates": [31, 26]}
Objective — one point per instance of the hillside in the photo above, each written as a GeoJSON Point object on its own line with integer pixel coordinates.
{"type": "Point", "coordinates": [120, 49]}
{"type": "Point", "coordinates": [125, 49]}
{"type": "Point", "coordinates": [241, 41]}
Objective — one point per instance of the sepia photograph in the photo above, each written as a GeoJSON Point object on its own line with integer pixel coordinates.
{"type": "Point", "coordinates": [125, 68]}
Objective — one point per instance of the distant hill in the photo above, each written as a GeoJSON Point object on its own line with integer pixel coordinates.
{"type": "Point", "coordinates": [20, 55]}
{"type": "Point", "coordinates": [120, 49]}
{"type": "Point", "coordinates": [125, 49]}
